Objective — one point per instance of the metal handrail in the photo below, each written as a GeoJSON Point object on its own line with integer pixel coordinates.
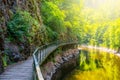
{"type": "Point", "coordinates": [41, 53]}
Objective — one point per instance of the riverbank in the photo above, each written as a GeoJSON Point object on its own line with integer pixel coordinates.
{"type": "Point", "coordinates": [103, 49]}
{"type": "Point", "coordinates": [96, 63]}
{"type": "Point", "coordinates": [62, 64]}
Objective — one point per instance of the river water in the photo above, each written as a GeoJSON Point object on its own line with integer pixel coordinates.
{"type": "Point", "coordinates": [96, 65]}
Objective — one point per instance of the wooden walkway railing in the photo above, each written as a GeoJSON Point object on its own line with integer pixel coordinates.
{"type": "Point", "coordinates": [41, 53]}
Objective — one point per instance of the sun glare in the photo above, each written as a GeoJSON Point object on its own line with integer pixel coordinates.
{"type": "Point", "coordinates": [100, 3]}
{"type": "Point", "coordinates": [107, 8]}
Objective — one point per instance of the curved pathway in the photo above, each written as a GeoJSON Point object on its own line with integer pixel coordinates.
{"type": "Point", "coordinates": [24, 70]}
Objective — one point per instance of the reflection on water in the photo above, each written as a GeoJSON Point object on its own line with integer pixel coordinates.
{"type": "Point", "coordinates": [96, 65]}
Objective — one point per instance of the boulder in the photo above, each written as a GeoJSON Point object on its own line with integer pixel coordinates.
{"type": "Point", "coordinates": [12, 51]}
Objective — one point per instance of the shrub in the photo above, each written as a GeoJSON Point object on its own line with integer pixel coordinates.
{"type": "Point", "coordinates": [53, 17]}
{"type": "Point", "coordinates": [20, 25]}
{"type": "Point", "coordinates": [52, 35]}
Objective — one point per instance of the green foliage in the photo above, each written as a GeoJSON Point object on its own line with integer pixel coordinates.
{"type": "Point", "coordinates": [72, 10]}
{"type": "Point", "coordinates": [19, 27]}
{"type": "Point", "coordinates": [52, 35]}
{"type": "Point", "coordinates": [100, 26]}
{"type": "Point", "coordinates": [62, 18]}
{"type": "Point", "coordinates": [4, 59]}
{"type": "Point", "coordinates": [52, 16]}
{"type": "Point", "coordinates": [105, 34]}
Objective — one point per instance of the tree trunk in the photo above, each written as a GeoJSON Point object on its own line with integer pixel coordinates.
{"type": "Point", "coordinates": [118, 51]}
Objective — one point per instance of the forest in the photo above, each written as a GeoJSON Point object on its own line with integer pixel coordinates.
{"type": "Point", "coordinates": [25, 25]}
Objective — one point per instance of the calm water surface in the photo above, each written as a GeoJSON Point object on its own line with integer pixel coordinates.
{"type": "Point", "coordinates": [96, 65]}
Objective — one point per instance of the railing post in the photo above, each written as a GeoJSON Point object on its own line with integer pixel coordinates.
{"type": "Point", "coordinates": [38, 59]}
{"type": "Point", "coordinates": [41, 56]}
{"type": "Point", "coordinates": [43, 51]}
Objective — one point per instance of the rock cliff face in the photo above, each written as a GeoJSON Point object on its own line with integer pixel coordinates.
{"type": "Point", "coordinates": [62, 65]}
{"type": "Point", "coordinates": [7, 9]}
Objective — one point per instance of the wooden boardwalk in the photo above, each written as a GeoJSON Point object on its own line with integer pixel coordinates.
{"type": "Point", "coordinates": [19, 71]}
{"type": "Point", "coordinates": [24, 70]}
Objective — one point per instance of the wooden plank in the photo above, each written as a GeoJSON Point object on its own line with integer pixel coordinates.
{"type": "Point", "coordinates": [18, 71]}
